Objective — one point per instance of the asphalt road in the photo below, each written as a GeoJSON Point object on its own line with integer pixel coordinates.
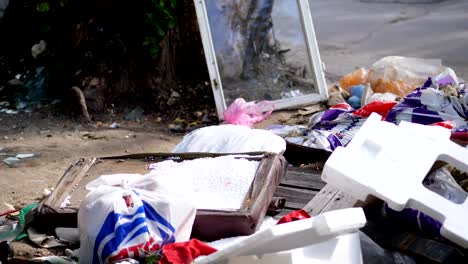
{"type": "Point", "coordinates": [352, 33]}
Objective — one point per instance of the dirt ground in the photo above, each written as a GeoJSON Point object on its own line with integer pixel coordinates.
{"type": "Point", "coordinates": [59, 140]}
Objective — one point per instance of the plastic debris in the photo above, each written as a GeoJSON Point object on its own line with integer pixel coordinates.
{"type": "Point", "coordinates": [324, 238]}
{"type": "Point", "coordinates": [137, 205]}
{"type": "Point", "coordinates": [68, 234]}
{"type": "Point", "coordinates": [245, 113]}
{"type": "Point", "coordinates": [401, 75]}
{"type": "Point", "coordinates": [429, 105]}
{"type": "Point", "coordinates": [380, 161]}
{"type": "Point", "coordinates": [25, 156]}
{"type": "Point", "coordinates": [230, 139]}
{"type": "Point", "coordinates": [11, 161]}
{"type": "Point", "coordinates": [114, 125]}
{"type": "Point", "coordinates": [356, 77]}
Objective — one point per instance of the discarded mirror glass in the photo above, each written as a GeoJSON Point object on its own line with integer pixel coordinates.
{"type": "Point", "coordinates": [261, 50]}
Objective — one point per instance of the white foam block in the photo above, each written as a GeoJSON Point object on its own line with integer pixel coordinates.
{"type": "Point", "coordinates": [390, 162]}
{"type": "Point", "coordinates": [295, 240]}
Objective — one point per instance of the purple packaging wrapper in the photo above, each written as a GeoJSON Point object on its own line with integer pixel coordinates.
{"type": "Point", "coordinates": [415, 220]}
{"type": "Point", "coordinates": [427, 105]}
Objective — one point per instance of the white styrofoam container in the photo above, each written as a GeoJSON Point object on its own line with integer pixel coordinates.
{"type": "Point", "coordinates": [327, 238]}
{"type": "Point", "coordinates": [390, 162]}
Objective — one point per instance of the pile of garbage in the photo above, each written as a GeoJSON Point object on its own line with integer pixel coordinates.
{"type": "Point", "coordinates": [397, 132]}
{"type": "Point", "coordinates": [438, 100]}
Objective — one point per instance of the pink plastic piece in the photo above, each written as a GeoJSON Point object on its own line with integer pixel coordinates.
{"type": "Point", "coordinates": [245, 113]}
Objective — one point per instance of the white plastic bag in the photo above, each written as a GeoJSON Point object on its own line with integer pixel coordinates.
{"type": "Point", "coordinates": [127, 220]}
{"type": "Point", "coordinates": [230, 139]}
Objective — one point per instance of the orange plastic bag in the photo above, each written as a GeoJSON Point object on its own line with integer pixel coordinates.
{"type": "Point", "coordinates": [356, 77]}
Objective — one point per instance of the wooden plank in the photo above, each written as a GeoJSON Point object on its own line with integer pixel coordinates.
{"type": "Point", "coordinates": [295, 198]}
{"type": "Point", "coordinates": [69, 180]}
{"type": "Point", "coordinates": [328, 199]}
{"type": "Point", "coordinates": [303, 178]}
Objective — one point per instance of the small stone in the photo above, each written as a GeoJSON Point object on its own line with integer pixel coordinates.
{"type": "Point", "coordinates": [178, 129]}
{"type": "Point", "coordinates": [158, 119]}
{"type": "Point", "coordinates": [175, 94]}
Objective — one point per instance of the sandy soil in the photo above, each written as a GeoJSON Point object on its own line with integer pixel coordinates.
{"type": "Point", "coordinates": [59, 141]}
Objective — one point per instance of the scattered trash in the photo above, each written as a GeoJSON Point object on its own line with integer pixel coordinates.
{"type": "Point", "coordinates": [356, 96]}
{"type": "Point", "coordinates": [114, 125]}
{"type": "Point", "coordinates": [429, 105]}
{"type": "Point", "coordinates": [245, 113]}
{"type": "Point", "coordinates": [38, 49]}
{"type": "Point", "coordinates": [336, 126]}
{"type": "Point", "coordinates": [70, 235]}
{"type": "Point", "coordinates": [356, 77]}
{"type": "Point", "coordinates": [401, 75]}
{"type": "Point", "coordinates": [8, 111]}
{"type": "Point", "coordinates": [230, 139]}
{"type": "Point", "coordinates": [14, 230]}
{"type": "Point", "coordinates": [291, 94]}
{"type": "Point", "coordinates": [136, 204]}
{"type": "Point", "coordinates": [43, 240]}
{"type": "Point", "coordinates": [25, 156]}
{"type": "Point", "coordinates": [46, 192]}
{"type": "Point", "coordinates": [185, 252]}
{"type": "Point", "coordinates": [308, 110]}
{"type": "Point", "coordinates": [11, 161]}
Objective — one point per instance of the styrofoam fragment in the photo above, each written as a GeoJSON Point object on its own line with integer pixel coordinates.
{"type": "Point", "coordinates": [323, 237]}
{"type": "Point", "coordinates": [391, 162]}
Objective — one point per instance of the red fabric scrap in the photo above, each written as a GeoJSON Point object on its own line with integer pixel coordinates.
{"type": "Point", "coordinates": [380, 107]}
{"type": "Point", "coordinates": [446, 124]}
{"type": "Point", "coordinates": [185, 252]}
{"type": "Point", "coordinates": [294, 216]}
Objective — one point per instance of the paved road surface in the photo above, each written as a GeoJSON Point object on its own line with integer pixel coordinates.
{"type": "Point", "coordinates": [353, 33]}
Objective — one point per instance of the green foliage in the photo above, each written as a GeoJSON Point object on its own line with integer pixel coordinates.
{"type": "Point", "coordinates": [43, 7]}
{"type": "Point", "coordinates": [160, 18]}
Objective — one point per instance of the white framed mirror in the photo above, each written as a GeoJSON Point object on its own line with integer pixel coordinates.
{"type": "Point", "coordinates": [261, 50]}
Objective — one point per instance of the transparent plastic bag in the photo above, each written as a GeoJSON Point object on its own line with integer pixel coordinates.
{"type": "Point", "coordinates": [401, 75]}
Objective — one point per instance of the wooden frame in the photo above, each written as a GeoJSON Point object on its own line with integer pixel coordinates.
{"type": "Point", "coordinates": [312, 50]}
{"type": "Point", "coordinates": [209, 225]}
